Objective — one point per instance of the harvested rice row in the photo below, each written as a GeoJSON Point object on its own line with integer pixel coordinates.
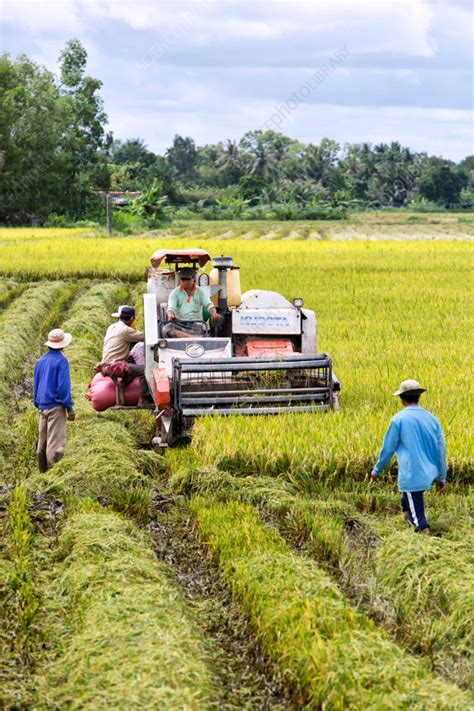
{"type": "Point", "coordinates": [18, 603]}
{"type": "Point", "coordinates": [335, 655]}
{"type": "Point", "coordinates": [119, 632]}
{"type": "Point", "coordinates": [9, 290]}
{"type": "Point", "coordinates": [20, 321]}
{"type": "Point", "coordinates": [18, 337]}
{"type": "Point", "coordinates": [102, 459]}
{"type": "Point", "coordinates": [123, 638]}
{"type": "Point", "coordinates": [420, 587]}
{"type": "Point", "coordinates": [29, 319]}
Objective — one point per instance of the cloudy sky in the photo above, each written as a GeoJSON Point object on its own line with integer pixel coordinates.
{"type": "Point", "coordinates": [352, 70]}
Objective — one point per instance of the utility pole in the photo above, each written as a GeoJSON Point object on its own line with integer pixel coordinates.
{"type": "Point", "coordinates": [108, 209]}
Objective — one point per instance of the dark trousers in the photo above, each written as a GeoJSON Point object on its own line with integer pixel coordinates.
{"type": "Point", "coordinates": [135, 370]}
{"type": "Point", "coordinates": [414, 507]}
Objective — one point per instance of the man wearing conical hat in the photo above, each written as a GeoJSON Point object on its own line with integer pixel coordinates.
{"type": "Point", "coordinates": [52, 397]}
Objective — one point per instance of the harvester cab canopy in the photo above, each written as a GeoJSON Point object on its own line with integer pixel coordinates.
{"type": "Point", "coordinates": [180, 256]}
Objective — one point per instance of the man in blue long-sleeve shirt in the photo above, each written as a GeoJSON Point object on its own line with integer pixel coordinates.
{"type": "Point", "coordinates": [52, 397]}
{"type": "Point", "coordinates": [416, 437]}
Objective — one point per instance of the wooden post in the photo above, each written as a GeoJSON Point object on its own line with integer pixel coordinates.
{"type": "Point", "coordinates": [108, 208]}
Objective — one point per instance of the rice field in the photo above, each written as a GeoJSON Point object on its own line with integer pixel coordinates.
{"type": "Point", "coordinates": [257, 566]}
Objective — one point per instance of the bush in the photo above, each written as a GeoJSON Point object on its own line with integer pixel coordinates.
{"type": "Point", "coordinates": [128, 224]}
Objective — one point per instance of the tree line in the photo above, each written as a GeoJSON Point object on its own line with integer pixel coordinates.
{"type": "Point", "coordinates": [56, 155]}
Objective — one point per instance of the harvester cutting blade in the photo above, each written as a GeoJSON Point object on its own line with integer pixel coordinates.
{"type": "Point", "coordinates": [252, 386]}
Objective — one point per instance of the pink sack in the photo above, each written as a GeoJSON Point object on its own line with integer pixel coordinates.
{"type": "Point", "coordinates": [102, 392]}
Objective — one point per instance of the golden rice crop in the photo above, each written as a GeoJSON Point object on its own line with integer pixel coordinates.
{"type": "Point", "coordinates": [322, 645]}
{"type": "Point", "coordinates": [386, 311]}
{"type": "Point", "coordinates": [22, 234]}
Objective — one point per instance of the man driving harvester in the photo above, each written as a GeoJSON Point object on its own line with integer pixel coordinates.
{"type": "Point", "coordinates": [186, 306]}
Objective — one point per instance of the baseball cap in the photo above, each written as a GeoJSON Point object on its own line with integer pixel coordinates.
{"type": "Point", "coordinates": [118, 313]}
{"type": "Point", "coordinates": [186, 273]}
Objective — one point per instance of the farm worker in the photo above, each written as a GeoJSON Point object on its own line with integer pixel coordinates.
{"type": "Point", "coordinates": [186, 306]}
{"type": "Point", "coordinates": [52, 397]}
{"type": "Point", "coordinates": [119, 338]}
{"type": "Point", "coordinates": [416, 437]}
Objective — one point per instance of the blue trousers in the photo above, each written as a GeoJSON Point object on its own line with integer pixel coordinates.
{"type": "Point", "coordinates": [414, 506]}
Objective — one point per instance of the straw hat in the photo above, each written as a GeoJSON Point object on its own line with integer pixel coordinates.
{"type": "Point", "coordinates": [58, 339]}
{"type": "Point", "coordinates": [408, 386]}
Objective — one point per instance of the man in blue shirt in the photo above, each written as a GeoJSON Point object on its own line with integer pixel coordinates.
{"type": "Point", "coordinates": [416, 437]}
{"type": "Point", "coordinates": [52, 397]}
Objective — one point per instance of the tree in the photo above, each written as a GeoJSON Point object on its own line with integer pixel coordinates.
{"type": "Point", "coordinates": [441, 182]}
{"type": "Point", "coordinates": [265, 154]}
{"type": "Point", "coordinates": [466, 168]}
{"type": "Point", "coordinates": [83, 120]}
{"type": "Point", "coordinates": [30, 126]}
{"type": "Point", "coordinates": [357, 167]}
{"type": "Point", "coordinates": [133, 150]}
{"type": "Point", "coordinates": [229, 164]}
{"type": "Point", "coordinates": [182, 158]}
{"type": "Point", "coordinates": [320, 160]}
{"type": "Point", "coordinates": [396, 171]}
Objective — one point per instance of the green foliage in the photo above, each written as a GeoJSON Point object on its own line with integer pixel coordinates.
{"type": "Point", "coordinates": [233, 206]}
{"type": "Point", "coordinates": [440, 182]}
{"type": "Point", "coordinates": [150, 205]}
{"type": "Point", "coordinates": [52, 135]}
{"type": "Point", "coordinates": [182, 157]}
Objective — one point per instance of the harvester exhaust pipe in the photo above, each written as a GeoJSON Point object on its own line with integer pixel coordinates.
{"type": "Point", "coordinates": [222, 264]}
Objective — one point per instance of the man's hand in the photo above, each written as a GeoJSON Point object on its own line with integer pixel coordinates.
{"type": "Point", "coordinates": [71, 416]}
{"type": "Point", "coordinates": [441, 486]}
{"type": "Point", "coordinates": [171, 315]}
{"type": "Point", "coordinates": [214, 314]}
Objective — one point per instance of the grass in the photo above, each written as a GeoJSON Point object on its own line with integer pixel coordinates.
{"type": "Point", "coordinates": [123, 638]}
{"type": "Point", "coordinates": [334, 654]}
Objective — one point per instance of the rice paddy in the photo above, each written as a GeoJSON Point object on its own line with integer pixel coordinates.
{"type": "Point", "coordinates": [348, 608]}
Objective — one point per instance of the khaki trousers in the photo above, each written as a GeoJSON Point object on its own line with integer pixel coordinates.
{"type": "Point", "coordinates": [52, 434]}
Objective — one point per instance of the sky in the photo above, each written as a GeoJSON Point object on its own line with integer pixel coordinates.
{"type": "Point", "coordinates": [350, 70]}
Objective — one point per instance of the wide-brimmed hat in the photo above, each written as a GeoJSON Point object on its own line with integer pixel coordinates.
{"type": "Point", "coordinates": [118, 313]}
{"type": "Point", "coordinates": [58, 339]}
{"type": "Point", "coordinates": [409, 386]}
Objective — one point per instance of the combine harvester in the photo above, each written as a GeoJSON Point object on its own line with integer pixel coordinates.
{"type": "Point", "coordinates": [261, 361]}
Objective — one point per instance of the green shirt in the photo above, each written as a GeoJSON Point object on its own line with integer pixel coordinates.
{"type": "Point", "coordinates": [188, 308]}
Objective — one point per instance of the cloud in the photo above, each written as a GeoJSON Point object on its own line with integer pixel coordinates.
{"type": "Point", "coordinates": [215, 68]}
